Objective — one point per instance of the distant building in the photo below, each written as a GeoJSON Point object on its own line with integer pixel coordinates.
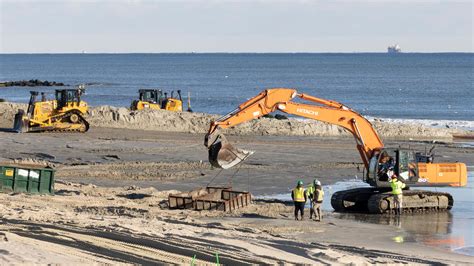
{"type": "Point", "coordinates": [393, 49]}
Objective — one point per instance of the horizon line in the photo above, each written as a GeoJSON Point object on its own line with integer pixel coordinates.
{"type": "Point", "coordinates": [354, 52]}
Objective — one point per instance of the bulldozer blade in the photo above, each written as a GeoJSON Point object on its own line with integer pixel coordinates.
{"type": "Point", "coordinates": [21, 122]}
{"type": "Point", "coordinates": [223, 155]}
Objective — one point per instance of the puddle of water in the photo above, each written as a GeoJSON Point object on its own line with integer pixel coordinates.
{"type": "Point", "coordinates": [453, 230]}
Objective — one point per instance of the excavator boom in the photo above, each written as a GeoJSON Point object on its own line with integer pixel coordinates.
{"type": "Point", "coordinates": [222, 154]}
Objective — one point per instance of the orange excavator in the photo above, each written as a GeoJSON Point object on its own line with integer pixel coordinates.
{"type": "Point", "coordinates": [415, 169]}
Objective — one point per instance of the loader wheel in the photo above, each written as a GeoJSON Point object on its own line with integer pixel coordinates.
{"type": "Point", "coordinates": [74, 118]}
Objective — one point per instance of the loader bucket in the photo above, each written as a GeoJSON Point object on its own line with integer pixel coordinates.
{"type": "Point", "coordinates": [223, 155]}
{"type": "Point", "coordinates": [20, 124]}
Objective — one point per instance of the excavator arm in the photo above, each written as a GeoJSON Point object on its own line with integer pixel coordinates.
{"type": "Point", "coordinates": [223, 155]}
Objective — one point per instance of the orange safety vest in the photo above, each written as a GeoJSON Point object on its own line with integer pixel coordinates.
{"type": "Point", "coordinates": [298, 194]}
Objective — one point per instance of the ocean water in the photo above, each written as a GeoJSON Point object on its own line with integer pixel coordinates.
{"type": "Point", "coordinates": [400, 86]}
{"type": "Point", "coordinates": [452, 230]}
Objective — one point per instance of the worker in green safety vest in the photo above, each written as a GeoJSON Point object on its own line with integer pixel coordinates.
{"type": "Point", "coordinates": [317, 200]}
{"type": "Point", "coordinates": [299, 197]}
{"type": "Point", "coordinates": [397, 192]}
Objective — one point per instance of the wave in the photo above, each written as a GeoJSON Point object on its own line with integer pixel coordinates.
{"type": "Point", "coordinates": [433, 123]}
{"type": "Point", "coordinates": [458, 124]}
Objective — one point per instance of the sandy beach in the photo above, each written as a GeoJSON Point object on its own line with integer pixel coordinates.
{"type": "Point", "coordinates": [112, 185]}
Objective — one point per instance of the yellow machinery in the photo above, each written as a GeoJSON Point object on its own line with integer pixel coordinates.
{"type": "Point", "coordinates": [157, 100]}
{"type": "Point", "coordinates": [415, 169]}
{"type": "Point", "coordinates": [65, 113]}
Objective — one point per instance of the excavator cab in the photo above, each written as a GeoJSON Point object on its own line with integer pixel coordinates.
{"type": "Point", "coordinates": [385, 163]}
{"type": "Point", "coordinates": [414, 169]}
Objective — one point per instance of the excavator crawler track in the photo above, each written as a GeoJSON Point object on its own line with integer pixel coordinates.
{"type": "Point", "coordinates": [352, 200]}
{"type": "Point", "coordinates": [380, 201]}
{"type": "Point", "coordinates": [413, 201]}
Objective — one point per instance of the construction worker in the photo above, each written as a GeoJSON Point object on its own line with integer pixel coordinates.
{"type": "Point", "coordinates": [317, 201]}
{"type": "Point", "coordinates": [310, 194]}
{"type": "Point", "coordinates": [397, 192]}
{"type": "Point", "coordinates": [299, 199]}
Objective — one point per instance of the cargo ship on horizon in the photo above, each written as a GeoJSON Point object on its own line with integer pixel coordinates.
{"type": "Point", "coordinates": [393, 49]}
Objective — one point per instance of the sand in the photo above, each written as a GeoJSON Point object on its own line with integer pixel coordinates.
{"type": "Point", "coordinates": [87, 224]}
{"type": "Point", "coordinates": [113, 182]}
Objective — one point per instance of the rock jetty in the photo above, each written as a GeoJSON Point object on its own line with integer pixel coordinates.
{"type": "Point", "coordinates": [31, 83]}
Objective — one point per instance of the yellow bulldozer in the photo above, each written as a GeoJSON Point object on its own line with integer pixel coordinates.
{"type": "Point", "coordinates": [65, 113]}
{"type": "Point", "coordinates": [157, 100]}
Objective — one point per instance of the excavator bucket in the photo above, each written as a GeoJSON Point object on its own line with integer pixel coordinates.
{"type": "Point", "coordinates": [223, 155]}
{"type": "Point", "coordinates": [21, 122]}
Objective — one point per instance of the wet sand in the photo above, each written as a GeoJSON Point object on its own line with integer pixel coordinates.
{"type": "Point", "coordinates": [170, 160]}
{"type": "Point", "coordinates": [100, 223]}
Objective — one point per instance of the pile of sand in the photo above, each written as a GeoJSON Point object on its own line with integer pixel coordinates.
{"type": "Point", "coordinates": [159, 120]}
{"type": "Point", "coordinates": [106, 116]}
{"type": "Point", "coordinates": [8, 111]}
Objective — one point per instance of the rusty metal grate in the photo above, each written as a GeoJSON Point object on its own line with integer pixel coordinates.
{"type": "Point", "coordinates": [210, 198]}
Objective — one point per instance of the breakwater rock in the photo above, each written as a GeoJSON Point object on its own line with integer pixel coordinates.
{"type": "Point", "coordinates": [31, 83]}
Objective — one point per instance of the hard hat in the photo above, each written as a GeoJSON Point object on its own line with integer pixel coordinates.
{"type": "Point", "coordinates": [300, 182]}
{"type": "Point", "coordinates": [318, 183]}
{"type": "Point", "coordinates": [315, 181]}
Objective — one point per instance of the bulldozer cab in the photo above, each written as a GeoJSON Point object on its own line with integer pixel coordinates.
{"type": "Point", "coordinates": [68, 97]}
{"type": "Point", "coordinates": [386, 162]}
{"type": "Point", "coordinates": [151, 96]}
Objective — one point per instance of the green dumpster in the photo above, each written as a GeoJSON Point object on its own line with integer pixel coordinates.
{"type": "Point", "coordinates": [27, 179]}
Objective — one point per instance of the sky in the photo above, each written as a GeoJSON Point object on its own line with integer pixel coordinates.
{"type": "Point", "coordinates": [120, 26]}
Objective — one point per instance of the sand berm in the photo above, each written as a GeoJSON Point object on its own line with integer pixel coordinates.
{"type": "Point", "coordinates": [120, 117]}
